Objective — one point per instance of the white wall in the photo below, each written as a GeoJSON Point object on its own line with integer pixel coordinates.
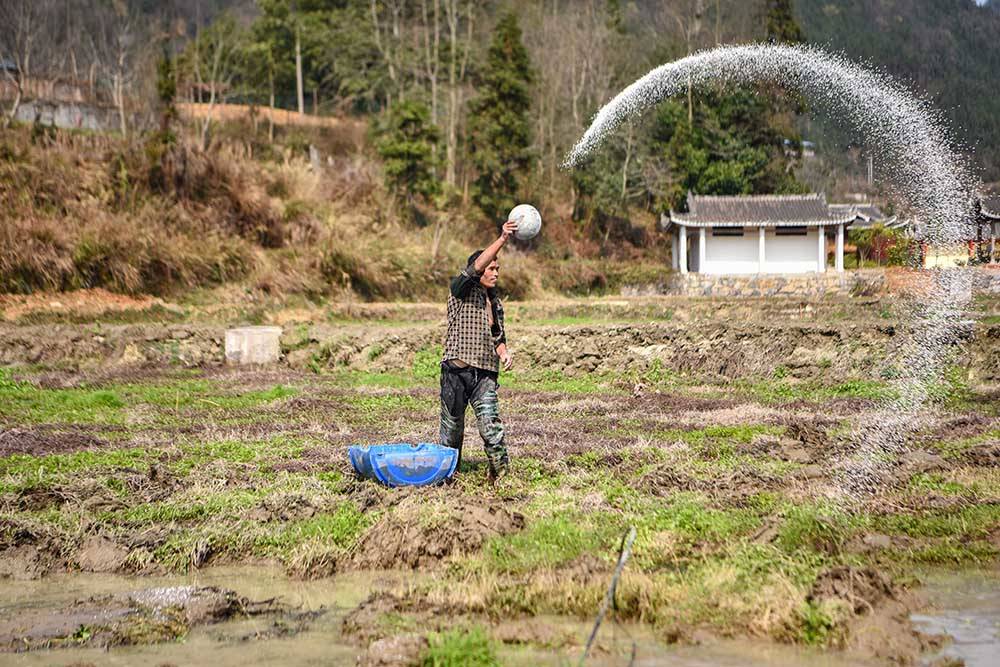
{"type": "Point", "coordinates": [790, 254]}
{"type": "Point", "coordinates": [731, 254]}
{"type": "Point", "coordinates": [739, 254]}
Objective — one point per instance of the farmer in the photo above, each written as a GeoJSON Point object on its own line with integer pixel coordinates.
{"type": "Point", "coordinates": [474, 348]}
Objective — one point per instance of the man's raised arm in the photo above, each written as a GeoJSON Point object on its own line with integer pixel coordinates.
{"type": "Point", "coordinates": [493, 249]}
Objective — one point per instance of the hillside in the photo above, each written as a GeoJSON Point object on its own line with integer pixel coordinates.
{"type": "Point", "coordinates": [949, 49]}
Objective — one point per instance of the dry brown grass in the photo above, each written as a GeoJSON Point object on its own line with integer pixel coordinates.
{"type": "Point", "coordinates": [88, 211]}
{"type": "Point", "coordinates": [77, 218]}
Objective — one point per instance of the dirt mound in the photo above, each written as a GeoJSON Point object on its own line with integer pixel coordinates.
{"type": "Point", "coordinates": [986, 455]}
{"type": "Point", "coordinates": [880, 627]}
{"type": "Point", "coordinates": [862, 588]}
{"type": "Point", "coordinates": [48, 439]}
{"type": "Point", "coordinates": [918, 462]}
{"type": "Point", "coordinates": [664, 480]}
{"type": "Point", "coordinates": [98, 554]}
{"type": "Point", "coordinates": [809, 435]}
{"type": "Point", "coordinates": [283, 507]}
{"type": "Point", "coordinates": [961, 426]}
{"type": "Point", "coordinates": [25, 561]}
{"type": "Point", "coordinates": [423, 529]}
{"type": "Point", "coordinates": [28, 549]}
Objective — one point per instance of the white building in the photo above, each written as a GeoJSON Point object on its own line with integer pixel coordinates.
{"type": "Point", "coordinates": [757, 234]}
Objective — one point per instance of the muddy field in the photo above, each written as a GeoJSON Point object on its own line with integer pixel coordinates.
{"type": "Point", "coordinates": [729, 477]}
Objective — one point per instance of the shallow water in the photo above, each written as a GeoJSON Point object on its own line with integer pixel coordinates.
{"type": "Point", "coordinates": [967, 606]}
{"type": "Point", "coordinates": [220, 645]}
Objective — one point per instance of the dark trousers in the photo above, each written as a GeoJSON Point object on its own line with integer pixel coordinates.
{"type": "Point", "coordinates": [459, 388]}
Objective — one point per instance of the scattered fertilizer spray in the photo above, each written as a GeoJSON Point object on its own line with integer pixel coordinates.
{"type": "Point", "coordinates": [929, 179]}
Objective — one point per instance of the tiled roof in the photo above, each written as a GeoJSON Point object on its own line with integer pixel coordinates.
{"type": "Point", "coordinates": [991, 206]}
{"type": "Point", "coordinates": [759, 210]}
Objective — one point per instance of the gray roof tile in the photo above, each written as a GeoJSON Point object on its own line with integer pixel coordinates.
{"type": "Point", "coordinates": [810, 209]}
{"type": "Point", "coordinates": [991, 205]}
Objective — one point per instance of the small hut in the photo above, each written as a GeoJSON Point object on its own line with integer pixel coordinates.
{"type": "Point", "coordinates": [749, 234]}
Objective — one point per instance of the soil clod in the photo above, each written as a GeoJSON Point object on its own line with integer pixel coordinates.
{"type": "Point", "coordinates": [422, 531]}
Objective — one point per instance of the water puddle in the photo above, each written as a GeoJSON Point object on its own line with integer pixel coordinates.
{"type": "Point", "coordinates": [966, 606]}
{"type": "Point", "coordinates": [228, 644]}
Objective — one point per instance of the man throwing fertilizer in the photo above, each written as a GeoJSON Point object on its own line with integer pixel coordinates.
{"type": "Point", "coordinates": [474, 348]}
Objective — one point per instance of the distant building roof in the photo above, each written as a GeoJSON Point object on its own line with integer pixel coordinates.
{"type": "Point", "coordinates": [866, 215]}
{"type": "Point", "coordinates": [759, 211]}
{"type": "Point", "coordinates": [990, 205]}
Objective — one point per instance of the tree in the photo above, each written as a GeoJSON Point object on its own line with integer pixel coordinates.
{"type": "Point", "coordinates": [499, 125]}
{"type": "Point", "coordinates": [21, 40]}
{"type": "Point", "coordinates": [780, 23]}
{"type": "Point", "coordinates": [115, 44]}
{"type": "Point", "coordinates": [387, 31]}
{"type": "Point", "coordinates": [406, 146]}
{"type": "Point", "coordinates": [297, 34]}
{"type": "Point", "coordinates": [458, 61]}
{"type": "Point", "coordinates": [166, 92]}
{"type": "Point", "coordinates": [212, 62]}
{"type": "Point", "coordinates": [732, 147]}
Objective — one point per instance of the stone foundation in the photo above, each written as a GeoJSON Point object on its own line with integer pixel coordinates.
{"type": "Point", "coordinates": [799, 285]}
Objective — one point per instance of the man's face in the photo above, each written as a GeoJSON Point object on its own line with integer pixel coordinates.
{"type": "Point", "coordinates": [490, 275]}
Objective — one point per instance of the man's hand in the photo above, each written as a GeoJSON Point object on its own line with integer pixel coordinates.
{"type": "Point", "coordinates": [509, 228]}
{"type": "Point", "coordinates": [506, 358]}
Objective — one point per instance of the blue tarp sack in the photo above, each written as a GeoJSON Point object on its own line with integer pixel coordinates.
{"type": "Point", "coordinates": [404, 464]}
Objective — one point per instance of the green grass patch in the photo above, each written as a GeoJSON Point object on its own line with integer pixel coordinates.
{"type": "Point", "coordinates": [185, 508]}
{"type": "Point", "coordinates": [555, 381]}
{"type": "Point", "coordinates": [373, 408]}
{"type": "Point", "coordinates": [339, 528]}
{"type": "Point", "coordinates": [937, 483]}
{"type": "Point", "coordinates": [370, 379]}
{"type": "Point", "coordinates": [427, 363]}
{"type": "Point", "coordinates": [26, 465]}
{"type": "Point", "coordinates": [786, 390]}
{"type": "Point", "coordinates": [814, 526]}
{"type": "Point", "coordinates": [550, 542]}
{"type": "Point", "coordinates": [973, 522]}
{"type": "Point", "coordinates": [952, 551]}
{"type": "Point", "coordinates": [200, 454]}
{"type": "Point", "coordinates": [24, 402]}
{"type": "Point", "coordinates": [466, 647]}
{"type": "Point", "coordinates": [689, 516]}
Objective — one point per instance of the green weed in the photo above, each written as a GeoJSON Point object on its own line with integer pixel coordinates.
{"type": "Point", "coordinates": [815, 625]}
{"type": "Point", "coordinates": [427, 363]}
{"type": "Point", "coordinates": [815, 527]}
{"type": "Point", "coordinates": [469, 647]}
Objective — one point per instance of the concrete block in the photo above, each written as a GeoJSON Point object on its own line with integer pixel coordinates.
{"type": "Point", "coordinates": [253, 345]}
